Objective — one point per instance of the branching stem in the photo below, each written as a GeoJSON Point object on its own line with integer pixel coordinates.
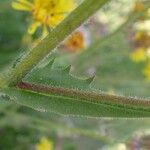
{"type": "Point", "coordinates": [57, 35]}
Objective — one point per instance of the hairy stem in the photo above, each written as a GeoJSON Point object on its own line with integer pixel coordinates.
{"type": "Point", "coordinates": [57, 35]}
{"type": "Point", "coordinates": [94, 97]}
{"type": "Point", "coordinates": [74, 102]}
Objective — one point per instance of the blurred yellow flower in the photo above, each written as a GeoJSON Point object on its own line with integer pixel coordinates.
{"type": "Point", "coordinates": [142, 39]}
{"type": "Point", "coordinates": [45, 13]}
{"type": "Point", "coordinates": [148, 53]}
{"type": "Point", "coordinates": [138, 55]}
{"type": "Point", "coordinates": [139, 6]}
{"type": "Point", "coordinates": [146, 71]}
{"type": "Point", "coordinates": [44, 144]}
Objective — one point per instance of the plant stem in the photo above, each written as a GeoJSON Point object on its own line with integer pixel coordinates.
{"type": "Point", "coordinates": [85, 94]}
{"type": "Point", "coordinates": [73, 102]}
{"type": "Point", "coordinates": [57, 35]}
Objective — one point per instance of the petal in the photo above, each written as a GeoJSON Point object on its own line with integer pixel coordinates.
{"type": "Point", "coordinates": [20, 6]}
{"type": "Point", "coordinates": [32, 28]}
{"type": "Point", "coordinates": [45, 31]}
{"type": "Point", "coordinates": [26, 2]}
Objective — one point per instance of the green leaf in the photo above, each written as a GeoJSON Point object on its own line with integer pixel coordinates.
{"type": "Point", "coordinates": [55, 90]}
{"type": "Point", "coordinates": [51, 89]}
{"type": "Point", "coordinates": [57, 77]}
{"type": "Point", "coordinates": [79, 104]}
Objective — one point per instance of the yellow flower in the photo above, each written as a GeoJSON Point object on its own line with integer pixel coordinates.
{"type": "Point", "coordinates": [142, 39]}
{"type": "Point", "coordinates": [138, 55]}
{"type": "Point", "coordinates": [45, 13]}
{"type": "Point", "coordinates": [146, 71]}
{"type": "Point", "coordinates": [139, 6]}
{"type": "Point", "coordinates": [45, 144]}
{"type": "Point", "coordinates": [148, 53]}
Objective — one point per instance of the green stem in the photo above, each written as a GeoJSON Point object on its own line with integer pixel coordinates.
{"type": "Point", "coordinates": [73, 102]}
{"type": "Point", "coordinates": [85, 95]}
{"type": "Point", "coordinates": [57, 35]}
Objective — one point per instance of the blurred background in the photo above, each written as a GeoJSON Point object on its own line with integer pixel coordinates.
{"type": "Point", "coordinates": [114, 46]}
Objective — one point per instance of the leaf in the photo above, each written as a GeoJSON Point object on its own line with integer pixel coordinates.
{"type": "Point", "coordinates": [77, 105]}
{"type": "Point", "coordinates": [57, 77]}
{"type": "Point", "coordinates": [55, 90]}
{"type": "Point", "coordinates": [52, 89]}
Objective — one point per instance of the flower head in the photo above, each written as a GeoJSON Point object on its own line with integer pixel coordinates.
{"type": "Point", "coordinates": [142, 39]}
{"type": "Point", "coordinates": [138, 55]}
{"type": "Point", "coordinates": [44, 144]}
{"type": "Point", "coordinates": [45, 13]}
{"type": "Point", "coordinates": [139, 6]}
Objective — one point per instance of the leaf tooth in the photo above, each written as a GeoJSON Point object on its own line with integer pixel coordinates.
{"type": "Point", "coordinates": [90, 79]}
{"type": "Point", "coordinates": [67, 69]}
{"type": "Point", "coordinates": [5, 97]}
{"type": "Point", "coordinates": [50, 64]}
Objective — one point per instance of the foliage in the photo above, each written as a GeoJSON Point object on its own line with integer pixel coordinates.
{"type": "Point", "coordinates": [42, 79]}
